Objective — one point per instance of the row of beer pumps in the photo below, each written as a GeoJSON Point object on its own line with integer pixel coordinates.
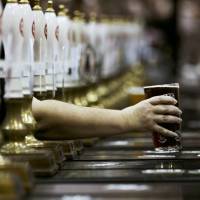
{"type": "Point", "coordinates": [88, 63]}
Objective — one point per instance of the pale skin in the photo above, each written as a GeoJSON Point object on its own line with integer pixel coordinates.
{"type": "Point", "coordinates": [62, 121]}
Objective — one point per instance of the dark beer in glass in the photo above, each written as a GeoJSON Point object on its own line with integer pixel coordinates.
{"type": "Point", "coordinates": [163, 143]}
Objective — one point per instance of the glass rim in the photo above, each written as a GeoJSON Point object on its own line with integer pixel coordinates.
{"type": "Point", "coordinates": [170, 85]}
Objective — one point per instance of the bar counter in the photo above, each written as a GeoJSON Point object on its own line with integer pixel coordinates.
{"type": "Point", "coordinates": [123, 168]}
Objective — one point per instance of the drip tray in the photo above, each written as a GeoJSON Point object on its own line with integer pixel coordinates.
{"type": "Point", "coordinates": [136, 143]}
{"type": "Point", "coordinates": [163, 171]}
{"type": "Point", "coordinates": [151, 191]}
{"type": "Point", "coordinates": [117, 175]}
{"type": "Point", "coordinates": [140, 155]}
{"type": "Point", "coordinates": [141, 164]}
{"type": "Point", "coordinates": [141, 144]}
{"type": "Point", "coordinates": [95, 152]}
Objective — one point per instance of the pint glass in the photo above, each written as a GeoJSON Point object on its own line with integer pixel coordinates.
{"type": "Point", "coordinates": [163, 143]}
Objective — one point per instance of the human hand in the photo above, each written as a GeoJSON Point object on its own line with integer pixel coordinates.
{"type": "Point", "coordinates": [148, 114]}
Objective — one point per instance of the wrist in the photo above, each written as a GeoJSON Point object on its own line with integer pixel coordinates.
{"type": "Point", "coordinates": [126, 122]}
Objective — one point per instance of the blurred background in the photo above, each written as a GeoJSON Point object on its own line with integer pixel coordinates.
{"type": "Point", "coordinates": [169, 49]}
{"type": "Point", "coordinates": [171, 32]}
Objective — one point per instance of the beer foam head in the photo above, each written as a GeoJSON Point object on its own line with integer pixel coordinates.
{"type": "Point", "coordinates": [136, 90]}
{"type": "Point", "coordinates": [171, 85]}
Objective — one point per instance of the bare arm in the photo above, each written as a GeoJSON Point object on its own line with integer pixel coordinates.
{"type": "Point", "coordinates": [63, 120]}
{"type": "Point", "coordinates": [58, 120]}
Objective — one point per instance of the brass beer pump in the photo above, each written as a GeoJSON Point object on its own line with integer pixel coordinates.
{"type": "Point", "coordinates": [21, 170]}
{"type": "Point", "coordinates": [39, 91]}
{"type": "Point", "coordinates": [15, 178]}
{"type": "Point", "coordinates": [14, 130]}
{"type": "Point", "coordinates": [68, 147]}
{"type": "Point", "coordinates": [29, 121]}
{"type": "Point", "coordinates": [10, 187]}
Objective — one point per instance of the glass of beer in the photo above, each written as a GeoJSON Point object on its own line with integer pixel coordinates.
{"type": "Point", "coordinates": [163, 143]}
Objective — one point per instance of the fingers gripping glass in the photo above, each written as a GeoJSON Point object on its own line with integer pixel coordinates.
{"type": "Point", "coordinates": [164, 143]}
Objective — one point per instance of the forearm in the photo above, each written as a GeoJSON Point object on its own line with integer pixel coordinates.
{"type": "Point", "coordinates": [58, 120]}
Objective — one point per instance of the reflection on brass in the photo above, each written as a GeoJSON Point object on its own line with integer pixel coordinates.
{"type": "Point", "coordinates": [68, 94]}
{"type": "Point", "coordinates": [50, 7]}
{"type": "Point", "coordinates": [102, 91]}
{"type": "Point", "coordinates": [20, 169]}
{"type": "Point", "coordinates": [23, 2]}
{"type": "Point", "coordinates": [82, 96]}
{"type": "Point", "coordinates": [42, 162]}
{"type": "Point", "coordinates": [10, 187]}
{"type": "Point", "coordinates": [68, 147]}
{"type": "Point", "coordinates": [27, 116]}
{"type": "Point", "coordinates": [11, 1]}
{"type": "Point", "coordinates": [13, 128]}
{"type": "Point", "coordinates": [79, 97]}
{"type": "Point", "coordinates": [62, 10]}
{"type": "Point", "coordinates": [14, 132]}
{"type": "Point", "coordinates": [92, 97]}
{"type": "Point", "coordinates": [77, 94]}
{"type": "Point", "coordinates": [37, 5]}
{"type": "Point", "coordinates": [56, 149]}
